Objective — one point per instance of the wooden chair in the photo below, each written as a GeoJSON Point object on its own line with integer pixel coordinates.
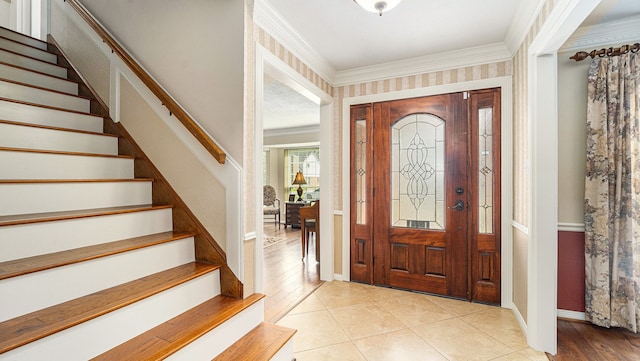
{"type": "Point", "coordinates": [310, 222]}
{"type": "Point", "coordinates": [271, 204]}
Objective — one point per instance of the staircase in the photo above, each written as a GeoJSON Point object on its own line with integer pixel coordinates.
{"type": "Point", "coordinates": [90, 268]}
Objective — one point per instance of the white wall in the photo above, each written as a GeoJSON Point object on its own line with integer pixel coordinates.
{"type": "Point", "coordinates": [5, 13]}
{"type": "Point", "coordinates": [194, 49]}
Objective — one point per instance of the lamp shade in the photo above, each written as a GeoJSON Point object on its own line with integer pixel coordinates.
{"type": "Point", "coordinates": [299, 179]}
{"type": "Point", "coordinates": [378, 6]}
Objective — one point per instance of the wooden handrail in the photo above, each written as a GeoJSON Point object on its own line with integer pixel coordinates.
{"type": "Point", "coordinates": [157, 90]}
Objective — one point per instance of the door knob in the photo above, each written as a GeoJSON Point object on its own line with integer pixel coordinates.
{"type": "Point", "coordinates": [458, 206]}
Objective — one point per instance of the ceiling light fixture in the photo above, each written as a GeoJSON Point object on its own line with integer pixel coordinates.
{"type": "Point", "coordinates": [377, 6]}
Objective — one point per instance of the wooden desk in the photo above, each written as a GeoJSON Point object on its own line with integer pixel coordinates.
{"type": "Point", "coordinates": [292, 217]}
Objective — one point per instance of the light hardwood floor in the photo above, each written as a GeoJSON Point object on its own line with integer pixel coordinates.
{"type": "Point", "coordinates": [288, 280]}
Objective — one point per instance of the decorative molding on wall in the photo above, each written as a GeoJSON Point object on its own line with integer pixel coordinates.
{"type": "Point", "coordinates": [614, 33]}
{"type": "Point", "coordinates": [521, 23]}
{"type": "Point", "coordinates": [571, 227]}
{"type": "Point", "coordinates": [571, 315]}
{"type": "Point", "coordinates": [251, 236]}
{"type": "Point", "coordinates": [337, 213]}
{"type": "Point", "coordinates": [270, 21]}
{"type": "Point", "coordinates": [520, 227]}
{"type": "Point", "coordinates": [228, 174]}
{"type": "Point", "coordinates": [461, 58]}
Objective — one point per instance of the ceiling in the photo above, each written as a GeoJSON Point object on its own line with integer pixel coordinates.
{"type": "Point", "coordinates": [347, 38]}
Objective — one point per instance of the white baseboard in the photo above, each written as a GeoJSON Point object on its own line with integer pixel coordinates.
{"type": "Point", "coordinates": [520, 319]}
{"type": "Point", "coordinates": [571, 315]}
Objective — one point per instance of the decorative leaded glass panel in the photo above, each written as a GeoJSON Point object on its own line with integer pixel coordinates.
{"type": "Point", "coordinates": [417, 172]}
{"type": "Point", "coordinates": [485, 170]}
{"type": "Point", "coordinates": [361, 171]}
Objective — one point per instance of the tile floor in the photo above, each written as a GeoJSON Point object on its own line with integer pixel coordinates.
{"type": "Point", "coordinates": [350, 321]}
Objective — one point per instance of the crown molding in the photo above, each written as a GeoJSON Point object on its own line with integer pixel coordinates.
{"type": "Point", "coordinates": [612, 33]}
{"type": "Point", "coordinates": [425, 64]}
{"type": "Point", "coordinates": [521, 23]}
{"type": "Point", "coordinates": [270, 21]}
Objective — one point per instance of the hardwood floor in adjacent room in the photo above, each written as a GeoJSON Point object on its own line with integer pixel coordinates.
{"type": "Point", "coordinates": [288, 280]}
{"type": "Point", "coordinates": [584, 341]}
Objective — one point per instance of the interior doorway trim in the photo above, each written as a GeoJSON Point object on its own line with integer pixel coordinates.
{"type": "Point", "coordinates": [266, 62]}
{"type": "Point", "coordinates": [505, 83]}
{"type": "Point", "coordinates": [564, 19]}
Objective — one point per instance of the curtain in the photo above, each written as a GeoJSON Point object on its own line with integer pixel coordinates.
{"type": "Point", "coordinates": [612, 187]}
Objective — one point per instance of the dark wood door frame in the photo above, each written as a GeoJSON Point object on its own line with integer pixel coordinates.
{"type": "Point", "coordinates": [481, 256]}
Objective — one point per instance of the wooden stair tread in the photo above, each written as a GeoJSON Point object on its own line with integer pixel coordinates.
{"type": "Point", "coordinates": [167, 338]}
{"type": "Point", "coordinates": [43, 88]}
{"type": "Point", "coordinates": [13, 220]}
{"type": "Point", "coordinates": [24, 266]}
{"type": "Point", "coordinates": [38, 105]}
{"type": "Point", "coordinates": [260, 344]}
{"type": "Point", "coordinates": [24, 181]}
{"type": "Point", "coordinates": [22, 35]}
{"type": "Point", "coordinates": [32, 58]}
{"type": "Point", "coordinates": [27, 45]}
{"type": "Point", "coordinates": [20, 124]}
{"type": "Point", "coordinates": [24, 329]}
{"type": "Point", "coordinates": [59, 152]}
{"type": "Point", "coordinates": [39, 72]}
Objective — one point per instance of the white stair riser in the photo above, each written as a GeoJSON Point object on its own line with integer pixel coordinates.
{"type": "Point", "coordinates": [25, 137]}
{"type": "Point", "coordinates": [34, 239]}
{"type": "Point", "coordinates": [28, 51]}
{"type": "Point", "coordinates": [33, 64]}
{"type": "Point", "coordinates": [285, 353]}
{"type": "Point", "coordinates": [50, 117]}
{"type": "Point", "coordinates": [38, 79]}
{"type": "Point", "coordinates": [43, 97]}
{"type": "Point", "coordinates": [22, 39]}
{"type": "Point", "coordinates": [220, 338]}
{"type": "Point", "coordinates": [105, 332]}
{"type": "Point", "coordinates": [30, 165]}
{"type": "Point", "coordinates": [27, 198]}
{"type": "Point", "coordinates": [43, 289]}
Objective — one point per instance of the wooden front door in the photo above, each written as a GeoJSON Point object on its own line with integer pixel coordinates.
{"type": "Point", "coordinates": [425, 182]}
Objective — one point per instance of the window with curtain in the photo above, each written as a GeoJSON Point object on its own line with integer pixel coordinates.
{"type": "Point", "coordinates": [306, 160]}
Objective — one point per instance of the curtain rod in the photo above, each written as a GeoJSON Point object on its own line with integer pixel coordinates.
{"type": "Point", "coordinates": [581, 55]}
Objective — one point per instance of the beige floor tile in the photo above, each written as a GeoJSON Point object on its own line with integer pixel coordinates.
{"type": "Point", "coordinates": [501, 324]}
{"type": "Point", "coordinates": [383, 293]}
{"type": "Point", "coordinates": [310, 304]}
{"type": "Point", "coordinates": [415, 309]}
{"type": "Point", "coordinates": [365, 320]}
{"type": "Point", "coordinates": [458, 307]}
{"type": "Point", "coordinates": [512, 357]}
{"type": "Point", "coordinates": [340, 294]}
{"type": "Point", "coordinates": [398, 345]}
{"type": "Point", "coordinates": [346, 351]}
{"type": "Point", "coordinates": [315, 329]}
{"type": "Point", "coordinates": [533, 355]}
{"type": "Point", "coordinates": [458, 340]}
